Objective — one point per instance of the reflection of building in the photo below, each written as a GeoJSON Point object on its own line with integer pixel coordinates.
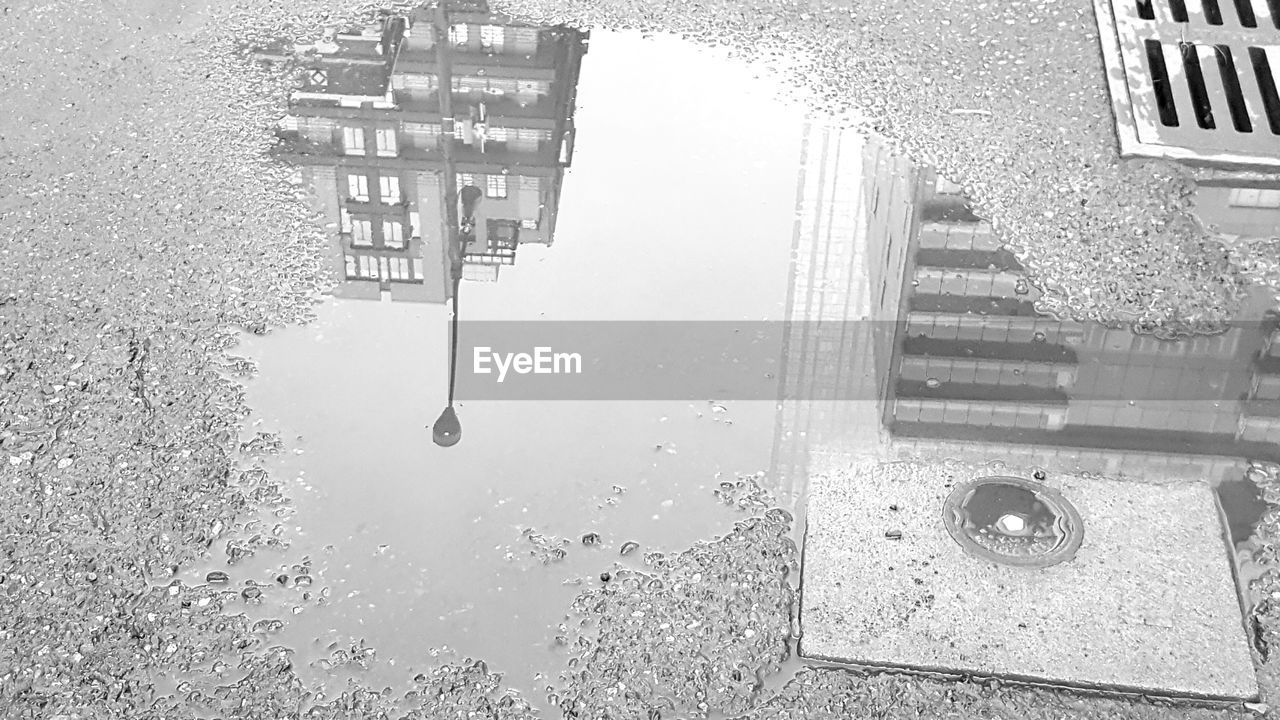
{"type": "Point", "coordinates": [830, 343]}
{"type": "Point", "coordinates": [974, 360]}
{"type": "Point", "coordinates": [1239, 206]}
{"type": "Point", "coordinates": [899, 292]}
{"type": "Point", "coordinates": [368, 129]}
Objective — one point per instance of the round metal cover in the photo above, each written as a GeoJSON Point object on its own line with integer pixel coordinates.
{"type": "Point", "coordinates": [1013, 521]}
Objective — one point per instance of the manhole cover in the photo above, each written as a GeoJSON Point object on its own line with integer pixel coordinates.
{"type": "Point", "coordinates": [1013, 521]}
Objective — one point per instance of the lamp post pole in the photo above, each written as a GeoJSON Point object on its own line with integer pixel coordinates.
{"type": "Point", "coordinates": [447, 430]}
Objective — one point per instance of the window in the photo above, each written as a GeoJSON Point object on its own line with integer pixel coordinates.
{"type": "Point", "coordinates": [1254, 197]}
{"type": "Point", "coordinates": [345, 218]}
{"type": "Point", "coordinates": [465, 179]}
{"type": "Point", "coordinates": [358, 187]}
{"type": "Point", "coordinates": [353, 140]}
{"type": "Point", "coordinates": [495, 186]}
{"type": "Point", "coordinates": [386, 138]}
{"type": "Point", "coordinates": [361, 233]}
{"type": "Point", "coordinates": [393, 234]}
{"type": "Point", "coordinates": [399, 269]}
{"type": "Point", "coordinates": [362, 267]}
{"type": "Point", "coordinates": [492, 37]}
{"type": "Point", "coordinates": [389, 188]}
{"type": "Point", "coordinates": [529, 224]}
{"type": "Point", "coordinates": [459, 34]}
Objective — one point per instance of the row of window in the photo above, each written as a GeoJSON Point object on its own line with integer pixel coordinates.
{"type": "Point", "coordinates": [394, 269]}
{"type": "Point", "coordinates": [992, 329]}
{"type": "Point", "coordinates": [495, 186]}
{"type": "Point", "coordinates": [388, 188]}
{"type": "Point", "coordinates": [496, 86]}
{"type": "Point", "coordinates": [1254, 198]}
{"type": "Point", "coordinates": [361, 232]}
{"type": "Point", "coordinates": [987, 372]}
{"type": "Point", "coordinates": [492, 37]}
{"type": "Point", "coordinates": [427, 135]}
{"type": "Point", "coordinates": [495, 38]}
{"type": "Point", "coordinates": [1184, 416]}
{"type": "Point", "coordinates": [971, 412]}
{"type": "Point", "coordinates": [353, 141]}
{"type": "Point", "coordinates": [971, 283]}
{"type": "Point", "coordinates": [959, 236]}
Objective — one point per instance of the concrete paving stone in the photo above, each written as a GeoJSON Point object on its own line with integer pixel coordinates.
{"type": "Point", "coordinates": [1148, 603]}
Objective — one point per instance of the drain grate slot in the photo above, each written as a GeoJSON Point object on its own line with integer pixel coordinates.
{"type": "Point", "coordinates": [1160, 84]}
{"type": "Point", "coordinates": [1212, 13]}
{"type": "Point", "coordinates": [1195, 80]}
{"type": "Point", "coordinates": [1267, 86]}
{"type": "Point", "coordinates": [1244, 10]}
{"type": "Point", "coordinates": [1231, 84]}
{"type": "Point", "coordinates": [1145, 10]}
{"type": "Point", "coordinates": [1273, 7]}
{"type": "Point", "coordinates": [1178, 9]}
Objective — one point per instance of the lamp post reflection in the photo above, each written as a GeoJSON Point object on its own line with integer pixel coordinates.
{"type": "Point", "coordinates": [447, 430]}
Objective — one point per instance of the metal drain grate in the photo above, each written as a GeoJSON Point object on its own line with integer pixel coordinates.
{"type": "Point", "coordinates": [1194, 80]}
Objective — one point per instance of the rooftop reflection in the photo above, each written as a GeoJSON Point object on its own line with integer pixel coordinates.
{"type": "Point", "coordinates": [389, 155]}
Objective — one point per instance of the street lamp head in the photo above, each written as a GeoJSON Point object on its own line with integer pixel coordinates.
{"type": "Point", "coordinates": [447, 431]}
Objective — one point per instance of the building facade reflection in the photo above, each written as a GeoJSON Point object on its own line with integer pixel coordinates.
{"type": "Point", "coordinates": [369, 129]}
{"type": "Point", "coordinates": [913, 332]}
{"type": "Point", "coordinates": [974, 360]}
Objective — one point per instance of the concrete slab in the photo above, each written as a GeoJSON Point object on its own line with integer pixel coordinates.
{"type": "Point", "coordinates": [1147, 604]}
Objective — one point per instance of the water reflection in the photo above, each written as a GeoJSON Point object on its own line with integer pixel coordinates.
{"type": "Point", "coordinates": [437, 143]}
{"type": "Point", "coordinates": [435, 138]}
{"type": "Point", "coordinates": [974, 360]}
{"type": "Point", "coordinates": [900, 292]}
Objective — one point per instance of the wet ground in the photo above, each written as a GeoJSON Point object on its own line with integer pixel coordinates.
{"type": "Point", "coordinates": [203, 521]}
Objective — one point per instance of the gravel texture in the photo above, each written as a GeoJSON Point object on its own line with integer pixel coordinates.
{"type": "Point", "coordinates": [1010, 101]}
{"type": "Point", "coordinates": [693, 633]}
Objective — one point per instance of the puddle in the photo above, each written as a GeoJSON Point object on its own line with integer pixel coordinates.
{"type": "Point", "coordinates": [890, 323]}
{"type": "Point", "coordinates": [681, 291]}
{"type": "Point", "coordinates": [1243, 504]}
